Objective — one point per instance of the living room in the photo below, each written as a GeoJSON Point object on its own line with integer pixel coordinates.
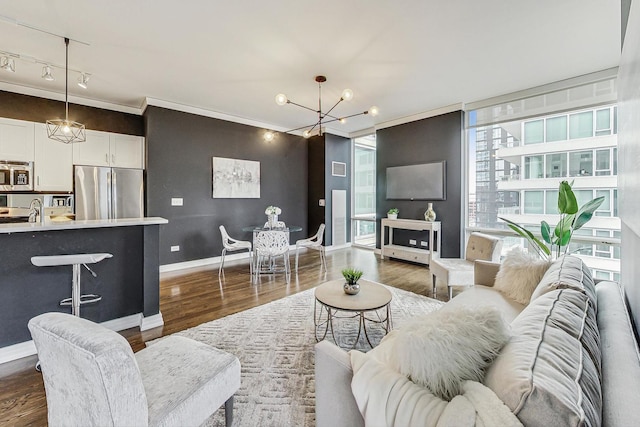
{"type": "Point", "coordinates": [295, 173]}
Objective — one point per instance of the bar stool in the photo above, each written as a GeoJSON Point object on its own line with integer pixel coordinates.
{"type": "Point", "coordinates": [77, 260]}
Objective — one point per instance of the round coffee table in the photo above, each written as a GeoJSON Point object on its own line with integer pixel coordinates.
{"type": "Point", "coordinates": [373, 297]}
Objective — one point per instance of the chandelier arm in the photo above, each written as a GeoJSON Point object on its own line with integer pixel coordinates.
{"type": "Point", "coordinates": [331, 109]}
{"type": "Point", "coordinates": [302, 106]}
{"type": "Point", "coordinates": [346, 117]}
{"type": "Point", "coordinates": [66, 80]}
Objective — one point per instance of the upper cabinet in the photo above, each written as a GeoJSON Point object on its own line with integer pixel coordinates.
{"type": "Point", "coordinates": [53, 166]}
{"type": "Point", "coordinates": [16, 140]}
{"type": "Point", "coordinates": [108, 149]}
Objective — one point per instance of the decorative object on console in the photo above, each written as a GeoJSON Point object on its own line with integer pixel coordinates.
{"type": "Point", "coordinates": [430, 214]}
{"type": "Point", "coordinates": [323, 117]}
{"type": "Point", "coordinates": [351, 275]}
{"type": "Point", "coordinates": [236, 179]}
{"type": "Point", "coordinates": [64, 130]}
{"type": "Point", "coordinates": [519, 275]}
{"type": "Point", "coordinates": [572, 218]}
{"type": "Point", "coordinates": [442, 349]}
{"type": "Point", "coordinates": [393, 213]}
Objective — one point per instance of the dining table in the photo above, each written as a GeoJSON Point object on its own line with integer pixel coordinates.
{"type": "Point", "coordinates": [260, 228]}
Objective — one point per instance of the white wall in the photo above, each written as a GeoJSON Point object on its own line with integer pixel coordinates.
{"type": "Point", "coordinates": [629, 160]}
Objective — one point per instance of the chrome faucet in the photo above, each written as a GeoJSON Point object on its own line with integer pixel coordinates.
{"type": "Point", "coordinates": [36, 211]}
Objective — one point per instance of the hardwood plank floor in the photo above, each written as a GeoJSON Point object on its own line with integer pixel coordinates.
{"type": "Point", "coordinates": [191, 297]}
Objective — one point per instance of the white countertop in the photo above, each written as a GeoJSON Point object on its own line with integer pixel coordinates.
{"type": "Point", "coordinates": [74, 225]}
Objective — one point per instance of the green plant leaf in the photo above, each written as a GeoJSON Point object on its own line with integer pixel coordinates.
{"type": "Point", "coordinates": [567, 203]}
{"type": "Point", "coordinates": [545, 231]}
{"type": "Point", "coordinates": [586, 212]}
{"type": "Point", "coordinates": [563, 229]}
{"type": "Point", "coordinates": [538, 245]}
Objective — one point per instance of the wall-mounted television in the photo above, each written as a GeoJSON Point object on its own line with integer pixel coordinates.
{"type": "Point", "coordinates": [425, 181]}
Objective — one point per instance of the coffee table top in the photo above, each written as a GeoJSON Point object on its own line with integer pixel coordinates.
{"type": "Point", "coordinates": [372, 296]}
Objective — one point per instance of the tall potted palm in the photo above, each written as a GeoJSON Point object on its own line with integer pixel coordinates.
{"type": "Point", "coordinates": [572, 218]}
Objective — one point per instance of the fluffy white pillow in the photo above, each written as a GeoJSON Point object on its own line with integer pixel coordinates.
{"type": "Point", "coordinates": [519, 275]}
{"type": "Point", "coordinates": [442, 349]}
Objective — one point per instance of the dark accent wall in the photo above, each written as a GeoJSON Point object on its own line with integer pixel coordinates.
{"type": "Point", "coordinates": [338, 149]}
{"type": "Point", "coordinates": [428, 140]}
{"type": "Point", "coordinates": [180, 147]}
{"type": "Point", "coordinates": [317, 191]}
{"type": "Point", "coordinates": [35, 109]}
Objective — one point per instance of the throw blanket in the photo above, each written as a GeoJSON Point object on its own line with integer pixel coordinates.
{"type": "Point", "coordinates": [387, 398]}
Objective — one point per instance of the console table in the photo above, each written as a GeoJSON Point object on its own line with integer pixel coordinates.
{"type": "Point", "coordinates": [416, 254]}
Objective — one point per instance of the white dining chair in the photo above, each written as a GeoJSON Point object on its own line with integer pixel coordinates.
{"type": "Point", "coordinates": [314, 242]}
{"type": "Point", "coordinates": [268, 246]}
{"type": "Point", "coordinates": [231, 245]}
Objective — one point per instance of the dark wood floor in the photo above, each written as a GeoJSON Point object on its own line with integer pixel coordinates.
{"type": "Point", "coordinates": [191, 297]}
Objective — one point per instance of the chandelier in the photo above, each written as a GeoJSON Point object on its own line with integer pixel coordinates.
{"type": "Point", "coordinates": [323, 117]}
{"type": "Point", "coordinates": [65, 130]}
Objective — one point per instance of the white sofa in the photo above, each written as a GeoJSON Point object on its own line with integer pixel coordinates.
{"type": "Point", "coordinates": [575, 360]}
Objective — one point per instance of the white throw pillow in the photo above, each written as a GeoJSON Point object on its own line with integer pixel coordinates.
{"type": "Point", "coordinates": [442, 349]}
{"type": "Point", "coordinates": [519, 275]}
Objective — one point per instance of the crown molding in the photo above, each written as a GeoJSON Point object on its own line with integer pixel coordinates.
{"type": "Point", "coordinates": [40, 93]}
{"type": "Point", "coordinates": [420, 116]}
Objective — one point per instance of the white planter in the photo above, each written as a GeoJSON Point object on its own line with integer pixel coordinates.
{"type": "Point", "coordinates": [392, 216]}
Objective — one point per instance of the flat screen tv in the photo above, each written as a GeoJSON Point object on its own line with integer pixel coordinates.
{"type": "Point", "coordinates": [426, 181]}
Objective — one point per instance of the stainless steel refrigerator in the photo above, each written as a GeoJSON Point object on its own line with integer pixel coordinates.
{"type": "Point", "coordinates": [108, 193]}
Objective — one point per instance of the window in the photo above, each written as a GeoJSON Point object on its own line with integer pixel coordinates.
{"type": "Point", "coordinates": [615, 161]}
{"type": "Point", "coordinates": [534, 132]}
{"type": "Point", "coordinates": [583, 196]}
{"type": "Point", "coordinates": [551, 206]}
{"type": "Point", "coordinates": [581, 125]}
{"type": "Point", "coordinates": [603, 162]}
{"type": "Point", "coordinates": [556, 166]}
{"type": "Point", "coordinates": [605, 207]}
{"type": "Point", "coordinates": [556, 129]}
{"type": "Point", "coordinates": [533, 167]}
{"type": "Point", "coordinates": [581, 163]}
{"type": "Point", "coordinates": [533, 202]}
{"type": "Point", "coordinates": [603, 251]}
{"type": "Point", "coordinates": [603, 122]}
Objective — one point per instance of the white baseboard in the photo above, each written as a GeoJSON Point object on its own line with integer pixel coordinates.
{"type": "Point", "coordinates": [203, 262]}
{"type": "Point", "coordinates": [28, 348]}
{"type": "Point", "coordinates": [151, 322]}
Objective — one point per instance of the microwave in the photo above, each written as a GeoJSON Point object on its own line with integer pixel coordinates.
{"type": "Point", "coordinates": [16, 176]}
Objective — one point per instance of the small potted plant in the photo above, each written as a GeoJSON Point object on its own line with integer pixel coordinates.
{"type": "Point", "coordinates": [351, 275]}
{"type": "Point", "coordinates": [393, 213]}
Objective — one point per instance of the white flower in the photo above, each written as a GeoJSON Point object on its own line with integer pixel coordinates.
{"type": "Point", "coordinates": [273, 210]}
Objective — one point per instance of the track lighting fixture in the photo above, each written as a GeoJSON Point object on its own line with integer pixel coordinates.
{"type": "Point", "coordinates": [65, 130]}
{"type": "Point", "coordinates": [82, 80]}
{"type": "Point", "coordinates": [46, 73]}
{"type": "Point", "coordinates": [323, 117]}
{"type": "Point", "coordinates": [8, 63]}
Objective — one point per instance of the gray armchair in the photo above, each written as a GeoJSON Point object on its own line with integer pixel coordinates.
{"type": "Point", "coordinates": [459, 271]}
{"type": "Point", "coordinates": [92, 377]}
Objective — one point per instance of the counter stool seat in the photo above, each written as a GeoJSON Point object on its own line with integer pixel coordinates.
{"type": "Point", "coordinates": [76, 260]}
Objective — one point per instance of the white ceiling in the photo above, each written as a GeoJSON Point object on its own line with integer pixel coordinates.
{"type": "Point", "coordinates": [232, 57]}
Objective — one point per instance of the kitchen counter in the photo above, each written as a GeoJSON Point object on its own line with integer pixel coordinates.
{"type": "Point", "coordinates": [129, 282]}
{"type": "Point", "coordinates": [72, 224]}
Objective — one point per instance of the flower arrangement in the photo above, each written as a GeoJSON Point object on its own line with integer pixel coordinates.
{"type": "Point", "coordinates": [273, 210]}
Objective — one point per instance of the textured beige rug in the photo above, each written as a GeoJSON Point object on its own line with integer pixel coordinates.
{"type": "Point", "coordinates": [274, 343]}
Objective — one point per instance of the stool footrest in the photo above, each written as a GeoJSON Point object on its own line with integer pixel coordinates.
{"type": "Point", "coordinates": [84, 299]}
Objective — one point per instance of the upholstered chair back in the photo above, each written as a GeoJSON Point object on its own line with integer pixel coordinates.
{"type": "Point", "coordinates": [483, 247]}
{"type": "Point", "coordinates": [90, 374]}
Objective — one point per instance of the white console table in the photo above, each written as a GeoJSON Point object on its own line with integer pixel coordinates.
{"type": "Point", "coordinates": [409, 253]}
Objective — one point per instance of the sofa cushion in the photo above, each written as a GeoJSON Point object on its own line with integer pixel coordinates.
{"type": "Point", "coordinates": [548, 374]}
{"type": "Point", "coordinates": [567, 272]}
{"type": "Point", "coordinates": [519, 275]}
{"type": "Point", "coordinates": [442, 349]}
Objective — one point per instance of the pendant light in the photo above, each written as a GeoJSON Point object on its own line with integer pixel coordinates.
{"type": "Point", "coordinates": [65, 130]}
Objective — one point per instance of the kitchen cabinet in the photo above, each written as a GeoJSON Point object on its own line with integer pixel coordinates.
{"type": "Point", "coordinates": [53, 166]}
{"type": "Point", "coordinates": [108, 149]}
{"type": "Point", "coordinates": [16, 140]}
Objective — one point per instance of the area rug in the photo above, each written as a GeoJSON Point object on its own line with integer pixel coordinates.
{"type": "Point", "coordinates": [274, 343]}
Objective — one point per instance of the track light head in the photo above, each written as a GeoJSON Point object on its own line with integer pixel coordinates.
{"type": "Point", "coordinates": [82, 80]}
{"type": "Point", "coordinates": [46, 73]}
{"type": "Point", "coordinates": [8, 64]}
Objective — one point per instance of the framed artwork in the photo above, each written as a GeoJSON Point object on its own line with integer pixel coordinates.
{"type": "Point", "coordinates": [235, 179]}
